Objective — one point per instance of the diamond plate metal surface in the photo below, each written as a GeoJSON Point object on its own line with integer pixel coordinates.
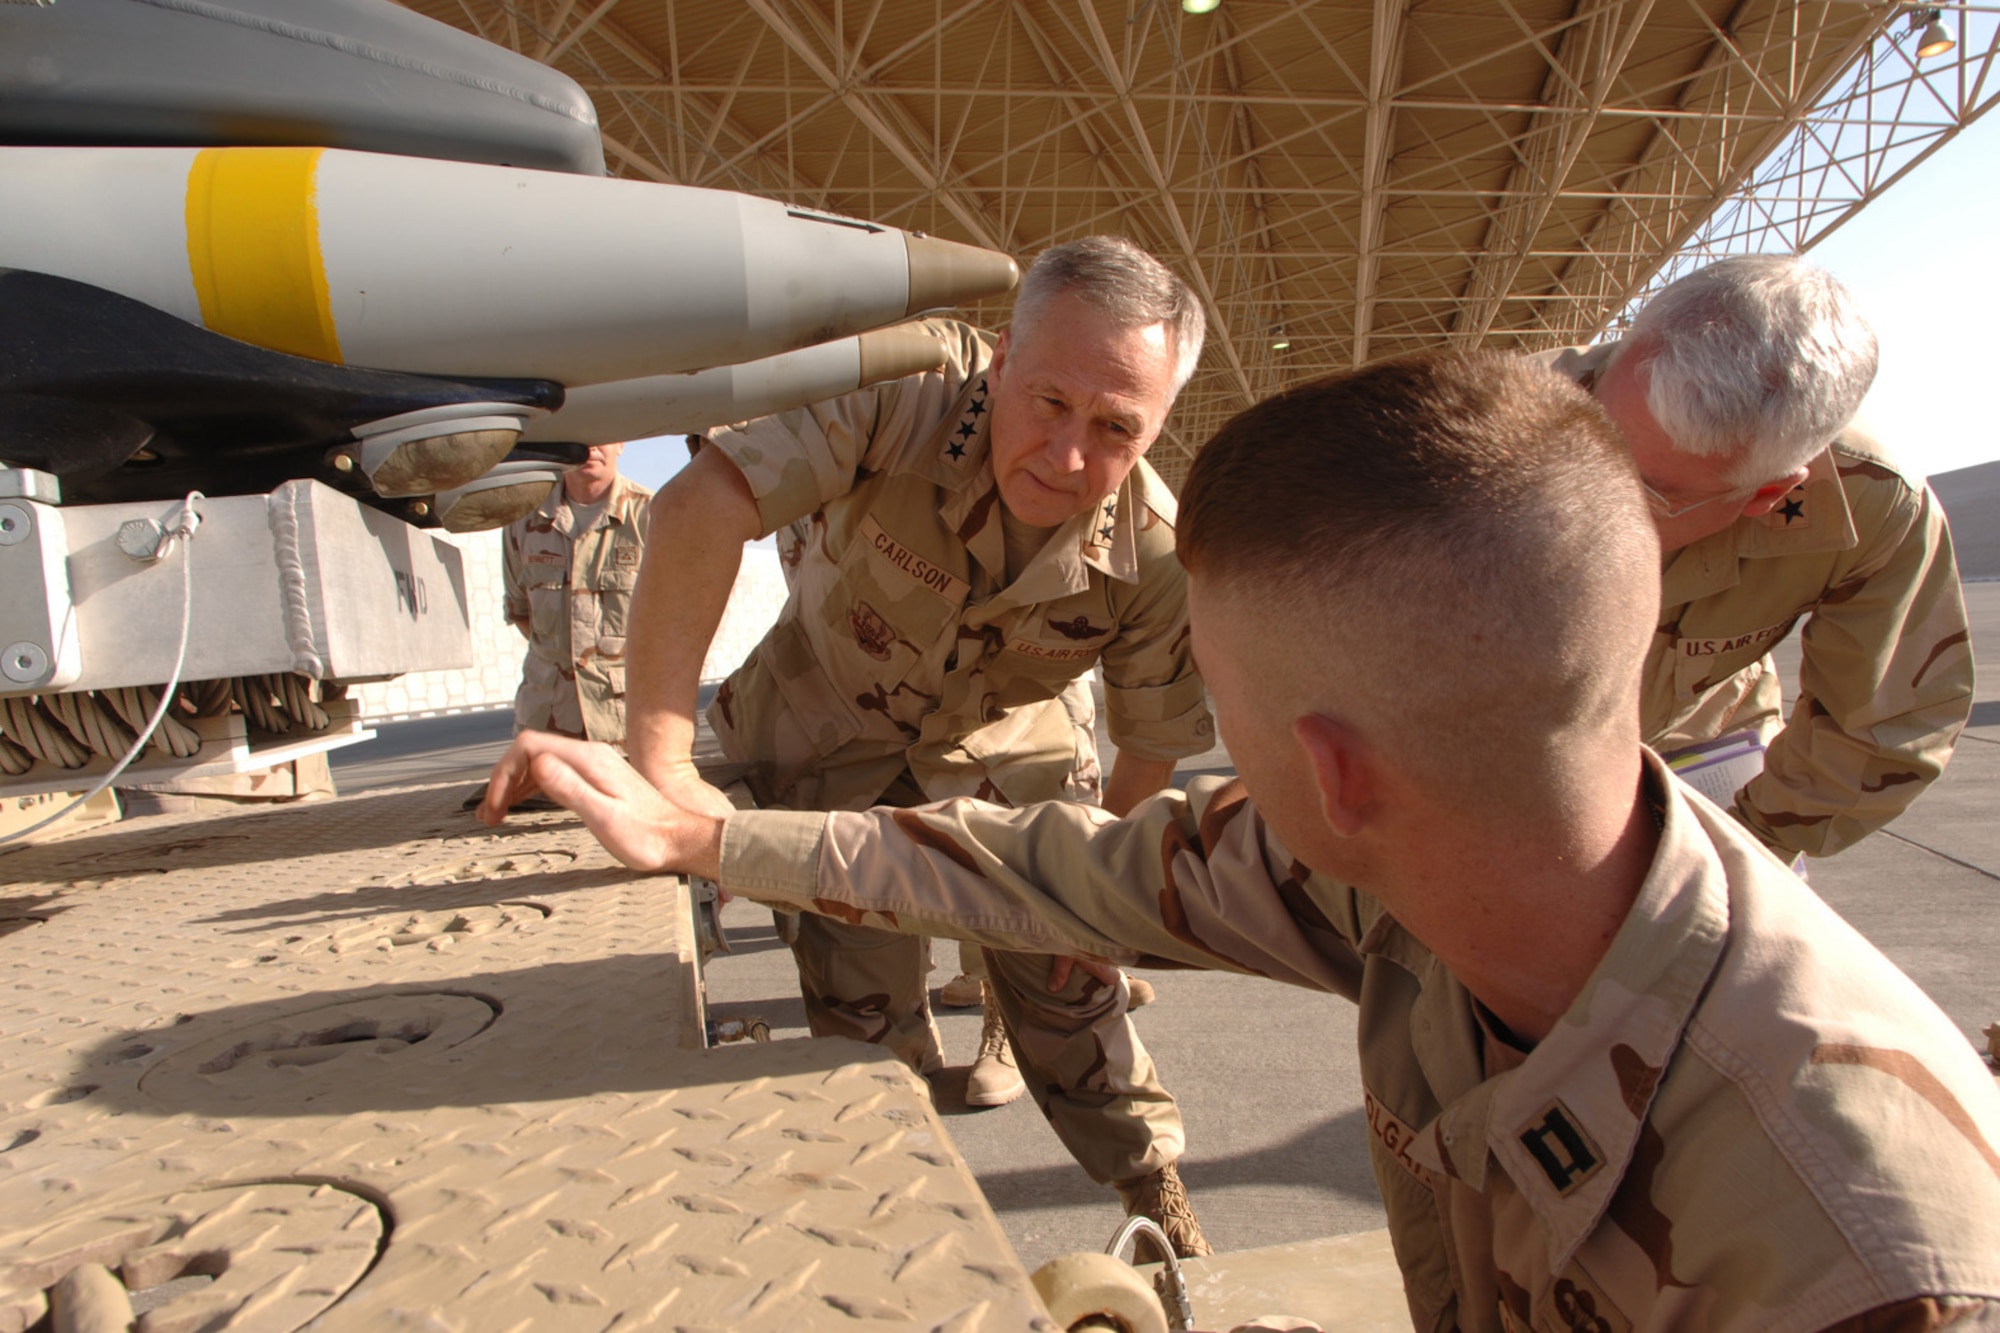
{"type": "Point", "coordinates": [462, 1069]}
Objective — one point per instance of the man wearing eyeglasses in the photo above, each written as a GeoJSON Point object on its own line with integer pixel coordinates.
{"type": "Point", "coordinates": [1735, 391]}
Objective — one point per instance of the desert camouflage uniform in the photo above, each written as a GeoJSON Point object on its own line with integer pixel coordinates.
{"type": "Point", "coordinates": [1086, 779]}
{"type": "Point", "coordinates": [572, 594]}
{"type": "Point", "coordinates": [1862, 548]}
{"type": "Point", "coordinates": [905, 668]}
{"type": "Point", "coordinates": [1749, 1119]}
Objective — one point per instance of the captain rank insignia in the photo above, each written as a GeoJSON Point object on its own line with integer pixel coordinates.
{"type": "Point", "coordinates": [1565, 1154]}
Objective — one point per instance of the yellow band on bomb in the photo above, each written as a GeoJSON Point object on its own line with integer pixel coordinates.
{"type": "Point", "coordinates": [253, 249]}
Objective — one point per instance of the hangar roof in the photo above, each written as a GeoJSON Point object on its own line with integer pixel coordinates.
{"type": "Point", "coordinates": [1341, 180]}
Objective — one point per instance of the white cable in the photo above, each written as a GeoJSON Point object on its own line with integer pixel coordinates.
{"type": "Point", "coordinates": [180, 535]}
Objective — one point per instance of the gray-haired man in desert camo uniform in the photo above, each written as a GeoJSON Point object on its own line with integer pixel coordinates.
{"type": "Point", "coordinates": [1736, 390]}
{"type": "Point", "coordinates": [978, 538]}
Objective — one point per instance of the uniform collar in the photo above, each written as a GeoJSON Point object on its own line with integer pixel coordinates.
{"type": "Point", "coordinates": [961, 462]}
{"type": "Point", "coordinates": [1111, 544]}
{"type": "Point", "coordinates": [1565, 1124]}
{"type": "Point", "coordinates": [555, 505]}
{"type": "Point", "coordinates": [627, 498]}
{"type": "Point", "coordinates": [1105, 538]}
{"type": "Point", "coordinates": [621, 505]}
{"type": "Point", "coordinates": [1813, 517]}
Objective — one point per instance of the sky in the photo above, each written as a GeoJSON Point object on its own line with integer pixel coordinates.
{"type": "Point", "coordinates": [1923, 262]}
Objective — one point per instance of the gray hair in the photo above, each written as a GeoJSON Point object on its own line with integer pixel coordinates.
{"type": "Point", "coordinates": [1116, 276]}
{"type": "Point", "coordinates": [1759, 353]}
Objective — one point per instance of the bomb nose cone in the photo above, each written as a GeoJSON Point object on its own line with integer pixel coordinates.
{"type": "Point", "coordinates": [945, 273]}
{"type": "Point", "coordinates": [890, 354]}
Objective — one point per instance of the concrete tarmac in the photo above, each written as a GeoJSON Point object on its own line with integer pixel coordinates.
{"type": "Point", "coordinates": [1266, 1076]}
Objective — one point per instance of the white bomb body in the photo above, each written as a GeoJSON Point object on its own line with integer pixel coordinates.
{"type": "Point", "coordinates": [453, 268]}
{"type": "Point", "coordinates": [678, 404]}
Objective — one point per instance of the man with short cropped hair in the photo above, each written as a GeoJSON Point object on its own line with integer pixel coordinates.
{"type": "Point", "coordinates": [1735, 390]}
{"type": "Point", "coordinates": [1622, 1070]}
{"type": "Point", "coordinates": [966, 544]}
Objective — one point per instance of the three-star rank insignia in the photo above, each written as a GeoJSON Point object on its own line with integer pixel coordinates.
{"type": "Point", "coordinates": [1560, 1147]}
{"type": "Point", "coordinates": [960, 438]}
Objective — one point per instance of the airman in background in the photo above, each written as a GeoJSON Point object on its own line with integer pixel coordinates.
{"type": "Point", "coordinates": [1736, 391]}
{"type": "Point", "coordinates": [570, 567]}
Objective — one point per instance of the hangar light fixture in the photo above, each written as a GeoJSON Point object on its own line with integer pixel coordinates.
{"type": "Point", "coordinates": [1935, 40]}
{"type": "Point", "coordinates": [1199, 6]}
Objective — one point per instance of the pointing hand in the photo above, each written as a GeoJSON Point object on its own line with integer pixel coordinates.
{"type": "Point", "coordinates": [677, 830]}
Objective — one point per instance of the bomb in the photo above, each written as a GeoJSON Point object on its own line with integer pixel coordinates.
{"type": "Point", "coordinates": [466, 269]}
{"type": "Point", "coordinates": [674, 404]}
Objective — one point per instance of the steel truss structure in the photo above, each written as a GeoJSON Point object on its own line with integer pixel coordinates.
{"type": "Point", "coordinates": [1891, 114]}
{"type": "Point", "coordinates": [1339, 180]}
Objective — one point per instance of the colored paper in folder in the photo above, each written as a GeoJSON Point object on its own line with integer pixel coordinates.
{"type": "Point", "coordinates": [1719, 768]}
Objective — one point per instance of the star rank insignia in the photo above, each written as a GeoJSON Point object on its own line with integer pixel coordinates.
{"type": "Point", "coordinates": [1791, 509]}
{"type": "Point", "coordinates": [1109, 516]}
{"type": "Point", "coordinates": [968, 425]}
{"type": "Point", "coordinates": [955, 446]}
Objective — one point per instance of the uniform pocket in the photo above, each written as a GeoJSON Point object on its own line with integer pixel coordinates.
{"type": "Point", "coordinates": [817, 707]}
{"type": "Point", "coordinates": [886, 608]}
{"type": "Point", "coordinates": [547, 589]}
{"type": "Point", "coordinates": [614, 607]}
{"type": "Point", "coordinates": [1700, 664]}
{"type": "Point", "coordinates": [1032, 754]}
{"type": "Point", "coordinates": [1055, 646]}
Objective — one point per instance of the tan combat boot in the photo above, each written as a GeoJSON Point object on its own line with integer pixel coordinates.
{"type": "Point", "coordinates": [962, 992]}
{"type": "Point", "coordinates": [930, 1057]}
{"type": "Point", "coordinates": [1162, 1197]}
{"type": "Point", "coordinates": [994, 1080]}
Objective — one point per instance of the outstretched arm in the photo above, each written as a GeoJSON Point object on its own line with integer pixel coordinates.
{"type": "Point", "coordinates": [751, 479]}
{"type": "Point", "coordinates": [698, 525]}
{"type": "Point", "coordinates": [1186, 880]}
